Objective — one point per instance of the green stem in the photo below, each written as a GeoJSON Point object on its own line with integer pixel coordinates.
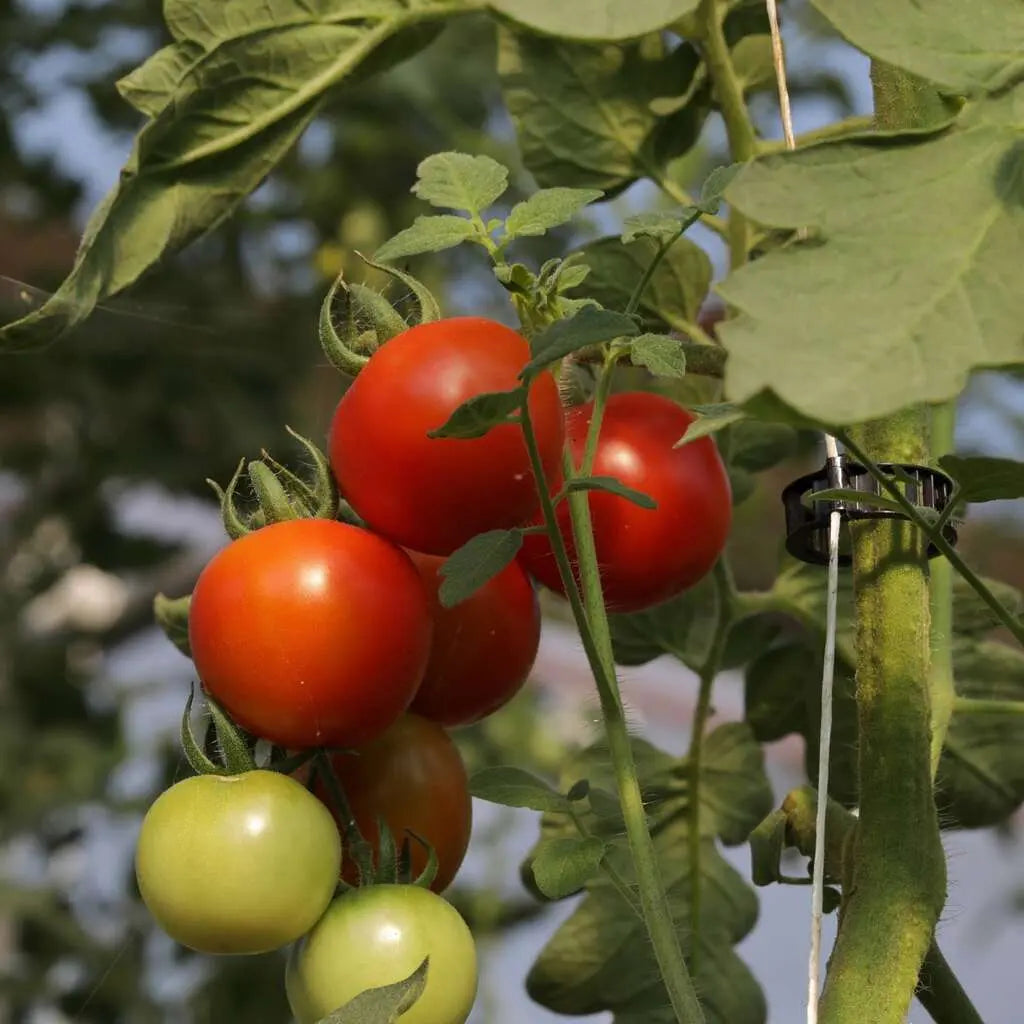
{"type": "Point", "coordinates": [1001, 612]}
{"type": "Point", "coordinates": [679, 195]}
{"type": "Point", "coordinates": [835, 130]}
{"type": "Point", "coordinates": [897, 873]}
{"type": "Point", "coordinates": [941, 994]}
{"type": "Point", "coordinates": [708, 673]}
{"type": "Point", "coordinates": [987, 706]}
{"type": "Point", "coordinates": [610, 870]}
{"type": "Point", "coordinates": [596, 639]}
{"type": "Point", "coordinates": [738, 126]}
{"type": "Point", "coordinates": [940, 677]}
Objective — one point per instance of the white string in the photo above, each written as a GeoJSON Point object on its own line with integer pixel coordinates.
{"type": "Point", "coordinates": [829, 660]}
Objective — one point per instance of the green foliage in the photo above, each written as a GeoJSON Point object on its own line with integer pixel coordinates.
{"type": "Point", "coordinates": [563, 866]}
{"type": "Point", "coordinates": [469, 568]}
{"type": "Point", "coordinates": [588, 327]}
{"type": "Point", "coordinates": [581, 19]}
{"type": "Point", "coordinates": [610, 485]}
{"type": "Point", "coordinates": [985, 479]}
{"type": "Point", "coordinates": [513, 787]}
{"type": "Point", "coordinates": [482, 413]}
{"type": "Point", "coordinates": [383, 1005]}
{"type": "Point", "coordinates": [662, 355]}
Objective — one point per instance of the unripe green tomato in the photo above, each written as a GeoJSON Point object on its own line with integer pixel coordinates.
{"type": "Point", "coordinates": [238, 863]}
{"type": "Point", "coordinates": [379, 935]}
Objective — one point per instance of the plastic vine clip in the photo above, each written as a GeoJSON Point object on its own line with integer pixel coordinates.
{"type": "Point", "coordinates": [807, 518]}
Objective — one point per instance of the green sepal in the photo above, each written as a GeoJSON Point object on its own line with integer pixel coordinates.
{"type": "Point", "coordinates": [171, 614]}
{"type": "Point", "coordinates": [232, 744]}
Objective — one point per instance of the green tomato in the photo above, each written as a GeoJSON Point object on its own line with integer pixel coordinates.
{"type": "Point", "coordinates": [378, 936]}
{"type": "Point", "coordinates": [238, 863]}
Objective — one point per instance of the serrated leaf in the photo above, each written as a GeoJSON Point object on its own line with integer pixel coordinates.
{"type": "Point", "coordinates": [427, 234]}
{"type": "Point", "coordinates": [458, 181]}
{"type": "Point", "coordinates": [611, 485]}
{"type": "Point", "coordinates": [563, 866]}
{"type": "Point", "coordinates": [482, 413]}
{"type": "Point", "coordinates": [715, 185]}
{"type": "Point", "coordinates": [662, 355]}
{"type": "Point", "coordinates": [985, 479]}
{"type": "Point", "coordinates": [548, 209]}
{"type": "Point", "coordinates": [582, 19]}
{"type": "Point", "coordinates": [513, 787]}
{"type": "Point", "coordinates": [588, 327]}
{"type": "Point", "coordinates": [477, 561]}
{"type": "Point", "coordinates": [710, 419]}
{"type": "Point", "coordinates": [969, 48]}
{"type": "Point", "coordinates": [583, 113]}
{"type": "Point", "coordinates": [384, 1005]}
{"type": "Point", "coordinates": [673, 296]}
{"type": "Point", "coordinates": [664, 227]}
{"type": "Point", "coordinates": [895, 277]}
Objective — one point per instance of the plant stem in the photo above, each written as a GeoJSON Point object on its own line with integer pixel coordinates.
{"type": "Point", "coordinates": [835, 130]}
{"type": "Point", "coordinates": [987, 706]}
{"type": "Point", "coordinates": [708, 673]}
{"type": "Point", "coordinates": [596, 639]}
{"type": "Point", "coordinates": [897, 874]}
{"type": "Point", "coordinates": [738, 126]}
{"type": "Point", "coordinates": [940, 677]}
{"type": "Point", "coordinates": [941, 994]}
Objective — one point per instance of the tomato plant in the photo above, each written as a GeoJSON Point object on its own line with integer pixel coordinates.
{"type": "Point", "coordinates": [646, 555]}
{"type": "Point", "coordinates": [285, 632]}
{"type": "Point", "coordinates": [413, 777]}
{"type": "Point", "coordinates": [237, 863]}
{"type": "Point", "coordinates": [434, 494]}
{"type": "Point", "coordinates": [378, 936]}
{"type": "Point", "coordinates": [483, 648]}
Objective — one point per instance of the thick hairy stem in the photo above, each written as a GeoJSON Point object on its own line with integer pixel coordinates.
{"type": "Point", "coordinates": [898, 873]}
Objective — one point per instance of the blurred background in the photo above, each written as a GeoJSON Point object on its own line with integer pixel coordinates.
{"type": "Point", "coordinates": [106, 440]}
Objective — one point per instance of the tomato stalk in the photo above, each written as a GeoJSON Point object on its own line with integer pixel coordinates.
{"type": "Point", "coordinates": [592, 621]}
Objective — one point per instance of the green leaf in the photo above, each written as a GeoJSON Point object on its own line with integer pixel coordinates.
{"type": "Point", "coordinates": [715, 185]}
{"type": "Point", "coordinates": [477, 561]}
{"type": "Point", "coordinates": [588, 327]}
{"type": "Point", "coordinates": [971, 616]}
{"type": "Point", "coordinates": [980, 780]}
{"type": "Point", "coordinates": [427, 234]}
{"type": "Point", "coordinates": [226, 104]}
{"type": "Point", "coordinates": [383, 1005]}
{"type": "Point", "coordinates": [756, 446]}
{"type": "Point", "coordinates": [563, 866]}
{"type": "Point", "coordinates": [171, 616]}
{"type": "Point", "coordinates": [583, 19]}
{"type": "Point", "coordinates": [710, 419]}
{"type": "Point", "coordinates": [482, 413]}
{"type": "Point", "coordinates": [673, 296]}
{"type": "Point", "coordinates": [662, 355]}
{"type": "Point", "coordinates": [611, 485]}
{"type": "Point", "coordinates": [513, 787]}
{"type": "Point", "coordinates": [584, 114]}
{"type": "Point", "coordinates": [547, 209]}
{"type": "Point", "coordinates": [457, 181]}
{"type": "Point", "coordinates": [735, 793]}
{"type": "Point", "coordinates": [664, 226]}
{"type": "Point", "coordinates": [896, 286]}
{"type": "Point", "coordinates": [985, 479]}
{"type": "Point", "coordinates": [969, 48]}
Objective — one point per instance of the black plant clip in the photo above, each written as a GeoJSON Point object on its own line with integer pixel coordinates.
{"type": "Point", "coordinates": [839, 483]}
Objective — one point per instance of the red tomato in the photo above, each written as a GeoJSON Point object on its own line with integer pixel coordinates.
{"type": "Point", "coordinates": [412, 777]}
{"type": "Point", "coordinates": [646, 555]}
{"type": "Point", "coordinates": [434, 494]}
{"type": "Point", "coordinates": [483, 648]}
{"type": "Point", "coordinates": [311, 632]}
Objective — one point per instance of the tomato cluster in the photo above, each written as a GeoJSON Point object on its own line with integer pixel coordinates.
{"type": "Point", "coordinates": [318, 635]}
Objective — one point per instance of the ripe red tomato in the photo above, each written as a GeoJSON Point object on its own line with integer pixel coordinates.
{"type": "Point", "coordinates": [311, 632]}
{"type": "Point", "coordinates": [434, 494]}
{"type": "Point", "coordinates": [413, 777]}
{"type": "Point", "coordinates": [646, 555]}
{"type": "Point", "coordinates": [483, 648]}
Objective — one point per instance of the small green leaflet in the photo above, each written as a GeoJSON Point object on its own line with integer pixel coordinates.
{"type": "Point", "coordinates": [984, 478]}
{"type": "Point", "coordinates": [714, 185]}
{"type": "Point", "coordinates": [383, 1005]}
{"type": "Point", "coordinates": [662, 355]}
{"type": "Point", "coordinates": [482, 413]}
{"type": "Point", "coordinates": [564, 865]}
{"type": "Point", "coordinates": [457, 181]}
{"type": "Point", "coordinates": [611, 485]}
{"type": "Point", "coordinates": [513, 787]}
{"type": "Point", "coordinates": [477, 561]}
{"type": "Point", "coordinates": [548, 209]}
{"type": "Point", "coordinates": [663, 227]}
{"type": "Point", "coordinates": [427, 234]}
{"type": "Point", "coordinates": [710, 418]}
{"type": "Point", "coordinates": [588, 327]}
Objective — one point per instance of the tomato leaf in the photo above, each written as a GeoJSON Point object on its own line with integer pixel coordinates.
{"type": "Point", "coordinates": [588, 327]}
{"type": "Point", "coordinates": [715, 184]}
{"type": "Point", "coordinates": [985, 479]}
{"type": "Point", "coordinates": [382, 1005]}
{"type": "Point", "coordinates": [427, 234]}
{"type": "Point", "coordinates": [458, 181]}
{"type": "Point", "coordinates": [171, 616]}
{"type": "Point", "coordinates": [662, 355]}
{"type": "Point", "coordinates": [663, 226]}
{"type": "Point", "coordinates": [477, 561]}
{"type": "Point", "coordinates": [583, 19]}
{"type": "Point", "coordinates": [482, 413]}
{"type": "Point", "coordinates": [563, 866]}
{"type": "Point", "coordinates": [710, 418]}
{"type": "Point", "coordinates": [611, 485]}
{"type": "Point", "coordinates": [547, 209]}
{"type": "Point", "coordinates": [755, 446]}
{"type": "Point", "coordinates": [513, 787]}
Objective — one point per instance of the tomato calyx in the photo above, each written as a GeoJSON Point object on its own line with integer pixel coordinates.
{"type": "Point", "coordinates": [231, 745]}
{"type": "Point", "coordinates": [281, 494]}
{"type": "Point", "coordinates": [355, 320]}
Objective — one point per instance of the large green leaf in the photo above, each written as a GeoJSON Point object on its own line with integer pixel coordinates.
{"type": "Point", "coordinates": [584, 19]}
{"type": "Point", "coordinates": [584, 113]}
{"type": "Point", "coordinates": [600, 958]}
{"type": "Point", "coordinates": [902, 288]}
{"type": "Point", "coordinates": [226, 101]}
{"type": "Point", "coordinates": [967, 47]}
